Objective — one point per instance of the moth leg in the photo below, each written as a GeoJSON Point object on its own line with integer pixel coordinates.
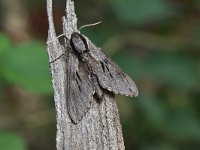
{"type": "Point", "coordinates": [56, 58]}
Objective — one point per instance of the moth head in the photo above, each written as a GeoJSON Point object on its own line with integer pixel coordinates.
{"type": "Point", "coordinates": [78, 43]}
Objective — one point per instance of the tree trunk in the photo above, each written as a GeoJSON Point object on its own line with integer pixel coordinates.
{"type": "Point", "coordinates": [100, 129]}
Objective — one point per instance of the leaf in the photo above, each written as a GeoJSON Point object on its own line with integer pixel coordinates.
{"type": "Point", "coordinates": [196, 34]}
{"type": "Point", "coordinates": [152, 109]}
{"type": "Point", "coordinates": [175, 70]}
{"type": "Point", "coordinates": [158, 146]}
{"type": "Point", "coordinates": [11, 141]}
{"type": "Point", "coordinates": [26, 65]}
{"type": "Point", "coordinates": [183, 127]}
{"type": "Point", "coordinates": [5, 42]}
{"type": "Point", "coordinates": [138, 12]}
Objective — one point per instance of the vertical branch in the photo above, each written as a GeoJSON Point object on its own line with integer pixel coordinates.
{"type": "Point", "coordinates": [58, 72]}
{"type": "Point", "coordinates": [70, 20]}
{"type": "Point", "coordinates": [100, 129]}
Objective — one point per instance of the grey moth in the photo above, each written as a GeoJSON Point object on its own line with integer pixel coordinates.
{"type": "Point", "coordinates": [91, 73]}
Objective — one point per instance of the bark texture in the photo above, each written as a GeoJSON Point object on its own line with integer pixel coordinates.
{"type": "Point", "coordinates": [100, 129]}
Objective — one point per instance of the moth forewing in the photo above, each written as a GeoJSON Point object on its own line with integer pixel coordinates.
{"type": "Point", "coordinates": [79, 88]}
{"type": "Point", "coordinates": [109, 74]}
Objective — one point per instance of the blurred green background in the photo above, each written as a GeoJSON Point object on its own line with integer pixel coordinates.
{"type": "Point", "coordinates": [155, 41]}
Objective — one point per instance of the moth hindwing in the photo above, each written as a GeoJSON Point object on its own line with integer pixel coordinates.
{"type": "Point", "coordinates": [89, 73]}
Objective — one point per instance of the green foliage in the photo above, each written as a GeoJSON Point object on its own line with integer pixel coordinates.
{"type": "Point", "coordinates": [178, 71]}
{"type": "Point", "coordinates": [5, 42]}
{"type": "Point", "coordinates": [11, 141]}
{"type": "Point", "coordinates": [196, 34]}
{"type": "Point", "coordinates": [26, 65]}
{"type": "Point", "coordinates": [158, 146]}
{"type": "Point", "coordinates": [138, 12]}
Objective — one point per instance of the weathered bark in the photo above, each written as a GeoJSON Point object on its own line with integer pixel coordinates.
{"type": "Point", "coordinates": [100, 129]}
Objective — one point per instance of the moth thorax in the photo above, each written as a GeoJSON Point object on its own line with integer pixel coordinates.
{"type": "Point", "coordinates": [78, 43]}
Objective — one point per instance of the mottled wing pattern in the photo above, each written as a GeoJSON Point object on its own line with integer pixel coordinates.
{"type": "Point", "coordinates": [79, 88]}
{"type": "Point", "coordinates": [109, 75]}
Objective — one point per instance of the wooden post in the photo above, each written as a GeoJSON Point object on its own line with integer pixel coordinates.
{"type": "Point", "coordinates": [100, 129]}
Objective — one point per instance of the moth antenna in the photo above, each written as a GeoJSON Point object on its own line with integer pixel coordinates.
{"type": "Point", "coordinates": [55, 38]}
{"type": "Point", "coordinates": [89, 25]}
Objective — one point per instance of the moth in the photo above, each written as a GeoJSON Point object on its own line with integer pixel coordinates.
{"type": "Point", "coordinates": [90, 72]}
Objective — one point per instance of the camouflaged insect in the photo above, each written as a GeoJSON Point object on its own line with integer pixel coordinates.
{"type": "Point", "coordinates": [89, 73]}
